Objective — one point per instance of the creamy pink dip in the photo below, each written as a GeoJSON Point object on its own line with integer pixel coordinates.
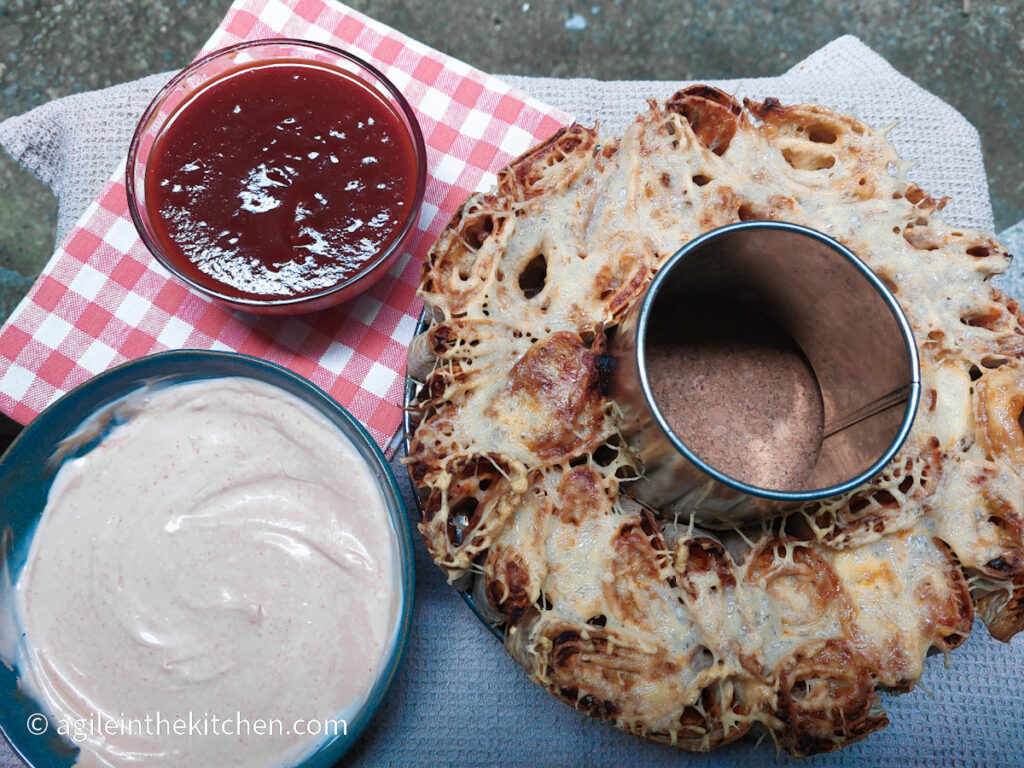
{"type": "Point", "coordinates": [225, 552]}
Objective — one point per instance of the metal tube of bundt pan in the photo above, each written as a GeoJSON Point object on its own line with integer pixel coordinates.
{"type": "Point", "coordinates": [845, 321]}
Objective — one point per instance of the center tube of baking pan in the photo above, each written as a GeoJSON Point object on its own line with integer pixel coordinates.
{"type": "Point", "coordinates": [765, 367]}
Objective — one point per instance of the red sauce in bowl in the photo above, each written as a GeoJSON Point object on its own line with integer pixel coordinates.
{"type": "Point", "coordinates": [280, 180]}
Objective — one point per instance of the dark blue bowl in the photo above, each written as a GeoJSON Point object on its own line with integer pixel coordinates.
{"type": "Point", "coordinates": [27, 470]}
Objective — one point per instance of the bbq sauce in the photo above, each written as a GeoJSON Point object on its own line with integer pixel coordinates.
{"type": "Point", "coordinates": [281, 179]}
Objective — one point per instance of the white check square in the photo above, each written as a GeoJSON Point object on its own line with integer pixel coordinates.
{"type": "Point", "coordinates": [52, 331]}
{"type": "Point", "coordinates": [336, 357]}
{"type": "Point", "coordinates": [175, 333]}
{"type": "Point", "coordinates": [449, 169]}
{"type": "Point", "coordinates": [88, 282]}
{"type": "Point", "coordinates": [475, 124]}
{"type": "Point", "coordinates": [379, 380]}
{"type": "Point", "coordinates": [132, 309]}
{"type": "Point", "coordinates": [121, 236]}
{"type": "Point", "coordinates": [16, 381]}
{"type": "Point", "coordinates": [97, 357]}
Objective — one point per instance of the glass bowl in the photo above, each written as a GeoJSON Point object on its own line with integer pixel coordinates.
{"type": "Point", "coordinates": [28, 468]}
{"type": "Point", "coordinates": [171, 104]}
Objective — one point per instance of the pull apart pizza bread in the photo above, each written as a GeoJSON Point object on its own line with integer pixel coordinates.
{"type": "Point", "coordinates": [678, 634]}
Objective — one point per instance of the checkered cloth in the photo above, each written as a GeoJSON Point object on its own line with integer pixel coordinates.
{"type": "Point", "coordinates": [103, 299]}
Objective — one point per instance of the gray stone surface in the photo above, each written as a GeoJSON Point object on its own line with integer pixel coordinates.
{"type": "Point", "coordinates": [970, 53]}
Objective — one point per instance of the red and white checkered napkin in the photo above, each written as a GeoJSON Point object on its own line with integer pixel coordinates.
{"type": "Point", "coordinates": [103, 299]}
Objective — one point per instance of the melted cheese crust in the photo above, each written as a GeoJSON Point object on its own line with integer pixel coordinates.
{"type": "Point", "coordinates": [677, 634]}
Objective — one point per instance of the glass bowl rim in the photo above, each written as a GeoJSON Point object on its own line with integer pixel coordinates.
{"type": "Point", "coordinates": [371, 268]}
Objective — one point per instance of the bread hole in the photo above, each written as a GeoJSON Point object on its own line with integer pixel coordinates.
{"type": "Point", "coordinates": [979, 251]}
{"type": "Point", "coordinates": [598, 621]}
{"type": "Point", "coordinates": [533, 276]}
{"type": "Point", "coordinates": [460, 519]}
{"type": "Point", "coordinates": [974, 372]}
{"type": "Point", "coordinates": [897, 196]}
{"type": "Point", "coordinates": [808, 160]}
{"type": "Point", "coordinates": [485, 483]}
{"type": "Point", "coordinates": [499, 276]}
{"type": "Point", "coordinates": [821, 133]}
{"type": "Point", "coordinates": [544, 603]}
{"type": "Point", "coordinates": [604, 455]}
{"type": "Point", "coordinates": [884, 499]}
{"type": "Point", "coordinates": [578, 461]}
{"type": "Point", "coordinates": [748, 212]}
{"type": "Point", "coordinates": [703, 658]}
{"type": "Point", "coordinates": [1000, 564]}
{"type": "Point", "coordinates": [800, 690]}
{"type": "Point", "coordinates": [858, 504]}
{"type": "Point", "coordinates": [692, 718]}
{"type": "Point", "coordinates": [700, 179]}
{"type": "Point", "coordinates": [625, 472]}
{"type": "Point", "coordinates": [476, 231]}
{"type": "Point", "coordinates": [989, 318]}
{"type": "Point", "coordinates": [906, 484]}
{"type": "Point", "coordinates": [992, 362]}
